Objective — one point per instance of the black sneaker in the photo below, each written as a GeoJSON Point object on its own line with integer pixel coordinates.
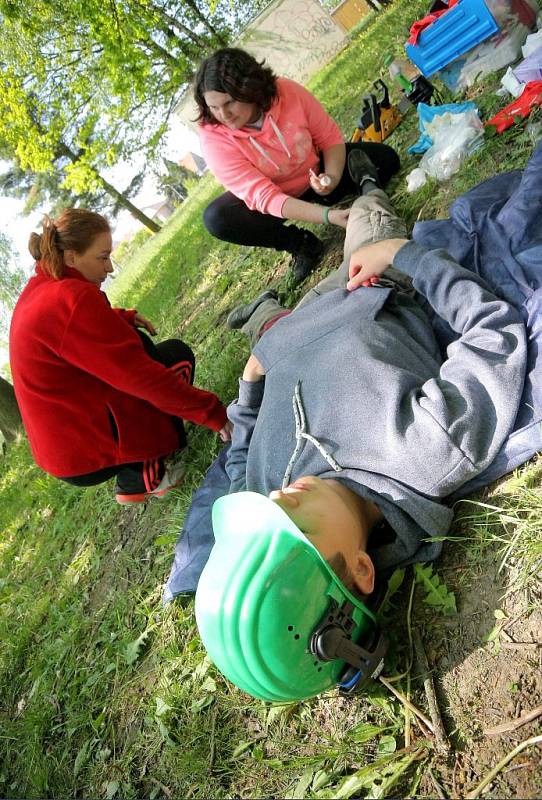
{"type": "Point", "coordinates": [242, 314]}
{"type": "Point", "coordinates": [307, 257]}
{"type": "Point", "coordinates": [362, 171]}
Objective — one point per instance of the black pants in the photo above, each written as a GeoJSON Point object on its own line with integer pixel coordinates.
{"type": "Point", "coordinates": [143, 476]}
{"type": "Point", "coordinates": [229, 219]}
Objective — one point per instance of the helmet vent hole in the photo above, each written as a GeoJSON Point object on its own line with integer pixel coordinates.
{"type": "Point", "coordinates": [296, 636]}
{"type": "Point", "coordinates": [316, 663]}
{"type": "Point", "coordinates": [290, 627]}
{"type": "Point", "coordinates": [319, 669]}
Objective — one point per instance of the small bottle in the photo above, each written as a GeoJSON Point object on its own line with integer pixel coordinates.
{"type": "Point", "coordinates": [395, 70]}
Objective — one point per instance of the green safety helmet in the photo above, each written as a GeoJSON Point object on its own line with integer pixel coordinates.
{"type": "Point", "coordinates": [273, 616]}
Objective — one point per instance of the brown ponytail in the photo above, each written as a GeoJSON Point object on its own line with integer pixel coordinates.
{"type": "Point", "coordinates": [75, 229]}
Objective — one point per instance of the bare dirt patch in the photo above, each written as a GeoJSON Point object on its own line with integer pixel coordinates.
{"type": "Point", "coordinates": [486, 664]}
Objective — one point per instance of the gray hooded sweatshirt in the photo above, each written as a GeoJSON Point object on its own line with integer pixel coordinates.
{"type": "Point", "coordinates": [388, 417]}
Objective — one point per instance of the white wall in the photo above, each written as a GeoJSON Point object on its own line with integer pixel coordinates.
{"type": "Point", "coordinates": [296, 38]}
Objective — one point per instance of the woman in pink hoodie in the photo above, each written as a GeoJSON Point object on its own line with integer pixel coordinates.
{"type": "Point", "coordinates": [280, 156]}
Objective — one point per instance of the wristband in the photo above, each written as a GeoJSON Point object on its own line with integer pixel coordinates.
{"type": "Point", "coordinates": [326, 215]}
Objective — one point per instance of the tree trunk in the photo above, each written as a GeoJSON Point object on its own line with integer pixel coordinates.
{"type": "Point", "coordinates": [166, 57]}
{"type": "Point", "coordinates": [169, 20]}
{"type": "Point", "coordinates": [134, 211]}
{"type": "Point", "coordinates": [64, 150]}
{"type": "Point", "coordinates": [10, 416]}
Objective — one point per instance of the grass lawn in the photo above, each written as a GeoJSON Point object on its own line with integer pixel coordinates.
{"type": "Point", "coordinates": [105, 693]}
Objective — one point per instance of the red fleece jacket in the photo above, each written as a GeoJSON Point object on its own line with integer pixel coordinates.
{"type": "Point", "coordinates": [90, 396]}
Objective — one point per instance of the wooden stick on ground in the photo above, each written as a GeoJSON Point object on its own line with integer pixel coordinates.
{"type": "Point", "coordinates": [438, 788]}
{"type": "Point", "coordinates": [511, 645]}
{"type": "Point", "coordinates": [495, 771]}
{"type": "Point", "coordinates": [407, 703]}
{"type": "Point", "coordinates": [514, 724]}
{"type": "Point", "coordinates": [212, 746]}
{"type": "Point", "coordinates": [165, 789]}
{"type": "Point", "coordinates": [440, 734]}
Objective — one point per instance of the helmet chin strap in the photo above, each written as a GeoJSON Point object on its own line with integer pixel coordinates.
{"type": "Point", "coordinates": [331, 639]}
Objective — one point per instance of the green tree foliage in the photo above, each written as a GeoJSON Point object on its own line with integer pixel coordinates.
{"type": "Point", "coordinates": [11, 277]}
{"type": "Point", "coordinates": [85, 84]}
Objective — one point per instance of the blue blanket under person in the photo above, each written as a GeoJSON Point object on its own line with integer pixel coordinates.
{"type": "Point", "coordinates": [494, 230]}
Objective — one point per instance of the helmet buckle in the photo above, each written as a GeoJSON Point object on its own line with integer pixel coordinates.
{"type": "Point", "coordinates": [331, 639]}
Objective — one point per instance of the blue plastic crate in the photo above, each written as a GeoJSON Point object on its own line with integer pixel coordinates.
{"type": "Point", "coordinates": [458, 30]}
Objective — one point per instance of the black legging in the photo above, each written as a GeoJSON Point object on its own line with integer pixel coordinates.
{"type": "Point", "coordinates": [229, 219]}
{"type": "Point", "coordinates": [132, 478]}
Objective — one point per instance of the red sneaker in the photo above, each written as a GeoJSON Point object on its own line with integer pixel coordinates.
{"type": "Point", "coordinates": [173, 477]}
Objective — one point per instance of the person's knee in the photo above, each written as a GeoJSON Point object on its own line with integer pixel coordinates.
{"type": "Point", "coordinates": [372, 218]}
{"type": "Point", "coordinates": [366, 204]}
{"type": "Point", "coordinates": [216, 221]}
{"type": "Point", "coordinates": [183, 352]}
{"type": "Point", "coordinates": [362, 214]}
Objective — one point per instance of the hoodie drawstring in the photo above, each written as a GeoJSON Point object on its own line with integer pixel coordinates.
{"type": "Point", "coordinates": [280, 137]}
{"type": "Point", "coordinates": [300, 434]}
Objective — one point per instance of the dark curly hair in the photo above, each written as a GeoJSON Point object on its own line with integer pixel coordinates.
{"type": "Point", "coordinates": [237, 73]}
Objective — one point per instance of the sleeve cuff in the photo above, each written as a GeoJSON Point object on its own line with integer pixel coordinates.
{"type": "Point", "coordinates": [408, 258]}
{"type": "Point", "coordinates": [251, 393]}
{"type": "Point", "coordinates": [127, 314]}
{"type": "Point", "coordinates": [274, 206]}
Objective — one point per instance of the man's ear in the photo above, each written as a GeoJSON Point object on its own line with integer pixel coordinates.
{"type": "Point", "coordinates": [364, 573]}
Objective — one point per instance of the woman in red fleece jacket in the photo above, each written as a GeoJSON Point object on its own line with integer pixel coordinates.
{"type": "Point", "coordinates": [280, 155]}
{"type": "Point", "coordinates": [98, 399]}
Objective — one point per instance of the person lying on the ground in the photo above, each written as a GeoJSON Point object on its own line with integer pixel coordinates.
{"type": "Point", "coordinates": [98, 399]}
{"type": "Point", "coordinates": [353, 424]}
{"type": "Point", "coordinates": [280, 156]}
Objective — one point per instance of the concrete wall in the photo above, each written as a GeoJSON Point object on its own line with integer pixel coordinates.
{"type": "Point", "coordinates": [296, 38]}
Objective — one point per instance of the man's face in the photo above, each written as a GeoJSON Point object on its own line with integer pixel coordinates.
{"type": "Point", "coordinates": [335, 519]}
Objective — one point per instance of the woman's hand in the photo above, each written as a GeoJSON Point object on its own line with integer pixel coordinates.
{"type": "Point", "coordinates": [253, 370]}
{"type": "Point", "coordinates": [225, 432]}
{"type": "Point", "coordinates": [324, 183]}
{"type": "Point", "coordinates": [141, 322]}
{"type": "Point", "coordinates": [339, 216]}
{"type": "Point", "coordinates": [371, 260]}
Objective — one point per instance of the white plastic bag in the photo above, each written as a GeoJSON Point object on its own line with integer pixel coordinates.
{"type": "Point", "coordinates": [415, 179]}
{"type": "Point", "coordinates": [455, 136]}
{"type": "Point", "coordinates": [510, 83]}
